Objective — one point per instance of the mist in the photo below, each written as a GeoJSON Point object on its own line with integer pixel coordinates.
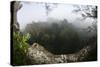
{"type": "Point", "coordinates": [35, 12]}
{"type": "Point", "coordinates": [54, 32]}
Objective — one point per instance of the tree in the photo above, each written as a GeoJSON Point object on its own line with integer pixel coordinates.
{"type": "Point", "coordinates": [88, 11]}
{"type": "Point", "coordinates": [15, 7]}
{"type": "Point", "coordinates": [49, 7]}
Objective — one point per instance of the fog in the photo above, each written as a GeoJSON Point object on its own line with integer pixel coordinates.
{"type": "Point", "coordinates": [36, 12]}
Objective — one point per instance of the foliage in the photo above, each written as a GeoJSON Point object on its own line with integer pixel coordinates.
{"type": "Point", "coordinates": [20, 48]}
{"type": "Point", "coordinates": [55, 37]}
{"type": "Point", "coordinates": [88, 11]}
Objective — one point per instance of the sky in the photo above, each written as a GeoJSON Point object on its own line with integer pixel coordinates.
{"type": "Point", "coordinates": [36, 12]}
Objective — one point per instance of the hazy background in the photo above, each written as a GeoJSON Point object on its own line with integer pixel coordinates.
{"type": "Point", "coordinates": [36, 12]}
{"type": "Point", "coordinates": [5, 30]}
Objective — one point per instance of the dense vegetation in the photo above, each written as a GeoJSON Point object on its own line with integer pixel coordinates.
{"type": "Point", "coordinates": [57, 38]}
{"type": "Point", "coordinates": [20, 48]}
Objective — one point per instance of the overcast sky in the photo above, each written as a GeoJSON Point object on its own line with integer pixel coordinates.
{"type": "Point", "coordinates": [36, 12]}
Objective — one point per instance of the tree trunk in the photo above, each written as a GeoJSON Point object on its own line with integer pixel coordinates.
{"type": "Point", "coordinates": [15, 6]}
